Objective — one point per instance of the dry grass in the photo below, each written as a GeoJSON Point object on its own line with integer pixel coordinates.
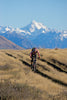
{"type": "Point", "coordinates": [18, 82]}
{"type": "Point", "coordinates": [15, 91]}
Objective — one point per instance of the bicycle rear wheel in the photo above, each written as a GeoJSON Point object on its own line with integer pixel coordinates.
{"type": "Point", "coordinates": [35, 68]}
{"type": "Point", "coordinates": [34, 64]}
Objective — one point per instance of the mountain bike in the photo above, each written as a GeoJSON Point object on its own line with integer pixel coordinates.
{"type": "Point", "coordinates": [34, 64]}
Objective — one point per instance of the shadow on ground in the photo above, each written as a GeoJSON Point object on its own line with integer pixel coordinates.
{"type": "Point", "coordinates": [45, 75]}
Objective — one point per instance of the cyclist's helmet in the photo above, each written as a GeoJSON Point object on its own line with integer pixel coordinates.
{"type": "Point", "coordinates": [33, 49]}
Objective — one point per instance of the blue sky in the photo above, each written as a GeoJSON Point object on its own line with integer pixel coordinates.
{"type": "Point", "coordinates": [19, 13]}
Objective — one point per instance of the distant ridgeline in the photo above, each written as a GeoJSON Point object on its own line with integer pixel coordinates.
{"type": "Point", "coordinates": [6, 44]}
{"type": "Point", "coordinates": [35, 34]}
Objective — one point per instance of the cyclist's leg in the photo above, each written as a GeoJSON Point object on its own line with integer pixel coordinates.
{"type": "Point", "coordinates": [35, 59]}
{"type": "Point", "coordinates": [31, 62]}
{"type": "Point", "coordinates": [35, 63]}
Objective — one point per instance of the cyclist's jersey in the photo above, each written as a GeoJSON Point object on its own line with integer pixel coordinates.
{"type": "Point", "coordinates": [34, 53]}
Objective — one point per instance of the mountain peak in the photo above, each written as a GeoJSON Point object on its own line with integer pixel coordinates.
{"type": "Point", "coordinates": [34, 22]}
{"type": "Point", "coordinates": [38, 26]}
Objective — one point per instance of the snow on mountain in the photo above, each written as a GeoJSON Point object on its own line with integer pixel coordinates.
{"type": "Point", "coordinates": [0, 27]}
{"type": "Point", "coordinates": [16, 36]}
{"type": "Point", "coordinates": [34, 29]}
{"type": "Point", "coordinates": [6, 29]}
{"type": "Point", "coordinates": [19, 30]}
{"type": "Point", "coordinates": [23, 32]}
{"type": "Point", "coordinates": [35, 25]}
{"type": "Point", "coordinates": [65, 32]}
{"type": "Point", "coordinates": [35, 34]}
{"type": "Point", "coordinates": [65, 35]}
{"type": "Point", "coordinates": [9, 29]}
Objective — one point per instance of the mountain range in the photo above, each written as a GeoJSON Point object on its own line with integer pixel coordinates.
{"type": "Point", "coordinates": [35, 35]}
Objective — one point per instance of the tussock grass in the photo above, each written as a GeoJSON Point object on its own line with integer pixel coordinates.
{"type": "Point", "coordinates": [15, 91]}
{"type": "Point", "coordinates": [18, 82]}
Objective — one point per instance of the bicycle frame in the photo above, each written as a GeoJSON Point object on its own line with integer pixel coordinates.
{"type": "Point", "coordinates": [34, 64]}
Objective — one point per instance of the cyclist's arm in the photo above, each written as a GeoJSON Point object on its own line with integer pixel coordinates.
{"type": "Point", "coordinates": [38, 54]}
{"type": "Point", "coordinates": [31, 54]}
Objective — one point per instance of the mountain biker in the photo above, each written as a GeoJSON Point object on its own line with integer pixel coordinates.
{"type": "Point", "coordinates": [34, 53]}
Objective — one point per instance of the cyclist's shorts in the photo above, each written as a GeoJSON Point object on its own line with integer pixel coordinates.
{"type": "Point", "coordinates": [34, 56]}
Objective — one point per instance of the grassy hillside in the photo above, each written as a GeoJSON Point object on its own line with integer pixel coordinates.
{"type": "Point", "coordinates": [7, 44]}
{"type": "Point", "coordinates": [18, 82]}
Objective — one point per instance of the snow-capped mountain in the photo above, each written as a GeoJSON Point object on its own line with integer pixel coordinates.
{"type": "Point", "coordinates": [34, 29]}
{"type": "Point", "coordinates": [5, 29]}
{"type": "Point", "coordinates": [35, 34]}
{"type": "Point", "coordinates": [33, 26]}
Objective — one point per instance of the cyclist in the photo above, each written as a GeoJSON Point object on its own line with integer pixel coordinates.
{"type": "Point", "coordinates": [34, 53]}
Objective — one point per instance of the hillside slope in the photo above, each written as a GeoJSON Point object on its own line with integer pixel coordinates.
{"type": "Point", "coordinates": [18, 82]}
{"type": "Point", "coordinates": [6, 44]}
